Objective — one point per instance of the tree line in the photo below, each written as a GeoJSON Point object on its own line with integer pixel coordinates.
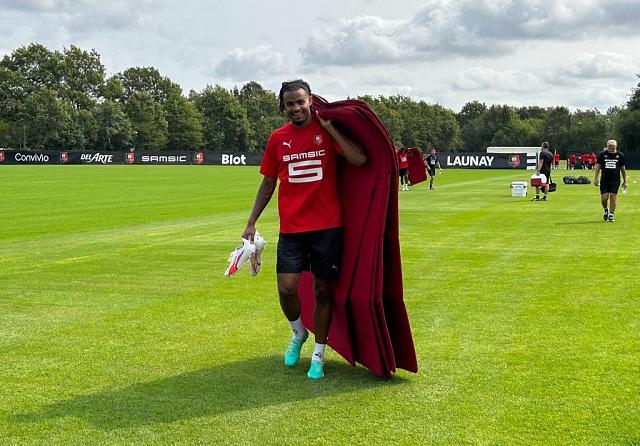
{"type": "Point", "coordinates": [64, 100]}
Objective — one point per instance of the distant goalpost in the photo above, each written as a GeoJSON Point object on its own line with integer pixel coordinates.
{"type": "Point", "coordinates": [532, 153]}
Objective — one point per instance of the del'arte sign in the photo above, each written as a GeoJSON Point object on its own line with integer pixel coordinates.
{"type": "Point", "coordinates": [480, 160]}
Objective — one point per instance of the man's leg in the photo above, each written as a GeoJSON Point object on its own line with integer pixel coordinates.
{"type": "Point", "coordinates": [604, 200]}
{"type": "Point", "coordinates": [322, 322]}
{"type": "Point", "coordinates": [322, 310]}
{"type": "Point", "coordinates": [290, 304]}
{"type": "Point", "coordinates": [613, 199]}
{"type": "Point", "coordinates": [288, 292]}
{"type": "Point", "coordinates": [326, 253]}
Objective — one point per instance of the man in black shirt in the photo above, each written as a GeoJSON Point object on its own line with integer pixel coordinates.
{"type": "Point", "coordinates": [612, 164]}
{"type": "Point", "coordinates": [545, 159]}
{"type": "Point", "coordinates": [431, 162]}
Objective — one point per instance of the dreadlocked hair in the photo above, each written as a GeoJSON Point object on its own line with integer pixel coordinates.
{"type": "Point", "coordinates": [292, 86]}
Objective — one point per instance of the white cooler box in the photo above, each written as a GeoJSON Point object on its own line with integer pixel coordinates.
{"type": "Point", "coordinates": [519, 189]}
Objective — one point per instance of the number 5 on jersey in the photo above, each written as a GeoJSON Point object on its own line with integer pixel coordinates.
{"type": "Point", "coordinates": [302, 172]}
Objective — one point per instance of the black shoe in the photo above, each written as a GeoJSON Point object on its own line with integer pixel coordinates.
{"type": "Point", "coordinates": [605, 217]}
{"type": "Point", "coordinates": [536, 199]}
{"type": "Point", "coordinates": [544, 198]}
{"type": "Point", "coordinates": [611, 218]}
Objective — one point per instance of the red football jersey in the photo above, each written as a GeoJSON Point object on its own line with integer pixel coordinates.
{"type": "Point", "coordinates": [403, 159]}
{"type": "Point", "coordinates": [305, 162]}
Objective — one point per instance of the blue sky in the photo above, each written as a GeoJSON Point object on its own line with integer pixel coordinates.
{"type": "Point", "coordinates": [582, 54]}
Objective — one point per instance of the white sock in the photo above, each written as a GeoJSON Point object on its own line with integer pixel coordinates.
{"type": "Point", "coordinates": [297, 328]}
{"type": "Point", "coordinates": [318, 352]}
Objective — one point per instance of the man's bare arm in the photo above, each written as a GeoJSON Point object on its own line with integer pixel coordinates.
{"type": "Point", "coordinates": [265, 192]}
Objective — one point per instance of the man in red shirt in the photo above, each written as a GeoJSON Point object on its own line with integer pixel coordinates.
{"type": "Point", "coordinates": [303, 156]}
{"type": "Point", "coordinates": [403, 164]}
{"type": "Point", "coordinates": [571, 160]}
{"type": "Point", "coordinates": [585, 159]}
{"type": "Point", "coordinates": [556, 160]}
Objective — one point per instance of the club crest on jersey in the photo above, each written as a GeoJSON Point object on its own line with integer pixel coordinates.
{"type": "Point", "coordinates": [317, 139]}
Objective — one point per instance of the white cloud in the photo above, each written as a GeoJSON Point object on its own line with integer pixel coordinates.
{"type": "Point", "coordinates": [257, 62]}
{"type": "Point", "coordinates": [600, 95]}
{"type": "Point", "coordinates": [480, 78]}
{"type": "Point", "coordinates": [598, 65]}
{"type": "Point", "coordinates": [83, 16]}
{"type": "Point", "coordinates": [353, 41]}
{"type": "Point", "coordinates": [471, 28]}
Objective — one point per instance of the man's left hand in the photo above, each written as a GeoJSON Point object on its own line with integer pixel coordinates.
{"type": "Point", "coordinates": [325, 123]}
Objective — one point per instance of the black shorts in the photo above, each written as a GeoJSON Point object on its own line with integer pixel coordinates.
{"type": "Point", "coordinates": [318, 251]}
{"type": "Point", "coordinates": [431, 172]}
{"type": "Point", "coordinates": [403, 171]}
{"type": "Point", "coordinates": [609, 187]}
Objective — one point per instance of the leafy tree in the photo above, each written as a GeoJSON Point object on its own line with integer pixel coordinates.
{"type": "Point", "coordinates": [113, 89]}
{"type": "Point", "coordinates": [184, 123]}
{"type": "Point", "coordinates": [149, 121]}
{"type": "Point", "coordinates": [147, 80]}
{"type": "Point", "coordinates": [113, 128]}
{"type": "Point", "coordinates": [588, 130]}
{"type": "Point", "coordinates": [627, 128]}
{"type": "Point", "coordinates": [46, 121]}
{"type": "Point", "coordinates": [531, 112]}
{"type": "Point", "coordinates": [263, 112]}
{"type": "Point", "coordinates": [634, 100]}
{"type": "Point", "coordinates": [470, 111]}
{"type": "Point", "coordinates": [83, 77]}
{"type": "Point", "coordinates": [40, 67]}
{"type": "Point", "coordinates": [225, 120]}
{"type": "Point", "coordinates": [557, 129]}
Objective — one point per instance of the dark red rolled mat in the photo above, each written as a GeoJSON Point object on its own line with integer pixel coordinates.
{"type": "Point", "coordinates": [417, 169]}
{"type": "Point", "coordinates": [366, 308]}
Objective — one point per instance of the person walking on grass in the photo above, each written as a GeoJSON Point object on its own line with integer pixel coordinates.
{"type": "Point", "coordinates": [611, 163]}
{"type": "Point", "coordinates": [545, 158]}
{"type": "Point", "coordinates": [431, 162]}
{"type": "Point", "coordinates": [302, 155]}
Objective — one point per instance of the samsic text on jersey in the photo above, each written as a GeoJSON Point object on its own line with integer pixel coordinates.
{"type": "Point", "coordinates": [305, 162]}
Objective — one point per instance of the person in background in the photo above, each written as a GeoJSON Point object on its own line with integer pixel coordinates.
{"type": "Point", "coordinates": [611, 163]}
{"type": "Point", "coordinates": [556, 160]}
{"type": "Point", "coordinates": [403, 164]}
{"type": "Point", "coordinates": [571, 161]}
{"type": "Point", "coordinates": [545, 158]}
{"type": "Point", "coordinates": [431, 162]}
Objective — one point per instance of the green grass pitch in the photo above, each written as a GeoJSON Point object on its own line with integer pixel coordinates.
{"type": "Point", "coordinates": [118, 327]}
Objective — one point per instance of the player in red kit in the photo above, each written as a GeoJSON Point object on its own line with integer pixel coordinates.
{"type": "Point", "coordinates": [303, 156]}
{"type": "Point", "coordinates": [403, 165]}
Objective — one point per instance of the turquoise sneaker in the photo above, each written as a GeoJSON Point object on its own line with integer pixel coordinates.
{"type": "Point", "coordinates": [316, 370]}
{"type": "Point", "coordinates": [292, 355]}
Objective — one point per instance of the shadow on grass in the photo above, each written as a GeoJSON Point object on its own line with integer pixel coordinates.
{"type": "Point", "coordinates": [583, 222]}
{"type": "Point", "coordinates": [244, 385]}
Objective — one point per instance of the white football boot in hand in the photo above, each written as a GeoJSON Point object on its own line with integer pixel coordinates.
{"type": "Point", "coordinates": [255, 259]}
{"type": "Point", "coordinates": [239, 257]}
